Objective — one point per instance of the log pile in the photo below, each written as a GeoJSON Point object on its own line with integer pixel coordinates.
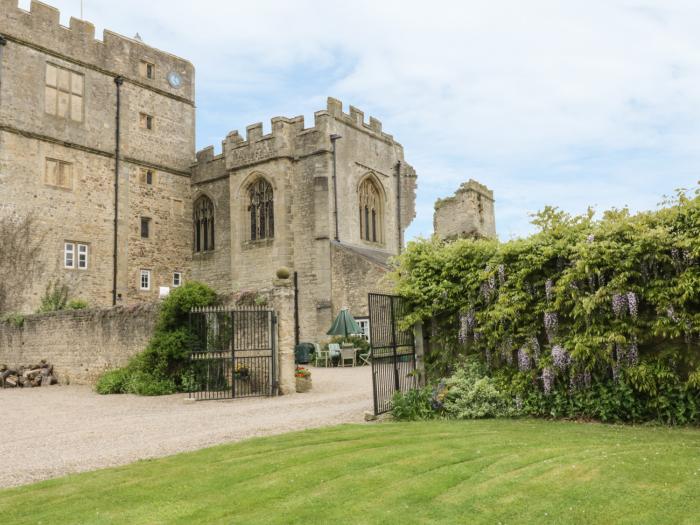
{"type": "Point", "coordinates": [27, 376]}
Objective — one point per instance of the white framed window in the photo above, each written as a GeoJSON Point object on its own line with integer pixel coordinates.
{"type": "Point", "coordinates": [177, 279]}
{"type": "Point", "coordinates": [69, 255]}
{"type": "Point", "coordinates": [82, 256]}
{"type": "Point", "coordinates": [145, 280]}
{"type": "Point", "coordinates": [364, 328]}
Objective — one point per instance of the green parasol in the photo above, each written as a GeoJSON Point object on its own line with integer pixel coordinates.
{"type": "Point", "coordinates": [344, 324]}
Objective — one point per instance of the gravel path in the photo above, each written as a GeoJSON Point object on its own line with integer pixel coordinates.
{"type": "Point", "coordinates": [49, 432]}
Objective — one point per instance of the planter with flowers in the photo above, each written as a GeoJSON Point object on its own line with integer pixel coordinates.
{"type": "Point", "coordinates": [303, 379]}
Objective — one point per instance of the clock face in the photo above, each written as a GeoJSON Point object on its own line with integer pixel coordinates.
{"type": "Point", "coordinates": [174, 79]}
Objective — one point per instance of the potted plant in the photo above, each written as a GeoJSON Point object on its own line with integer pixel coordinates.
{"type": "Point", "coordinates": [303, 379]}
{"type": "Point", "coordinates": [241, 371]}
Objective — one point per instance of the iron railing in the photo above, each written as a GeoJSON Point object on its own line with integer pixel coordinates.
{"type": "Point", "coordinates": [234, 353]}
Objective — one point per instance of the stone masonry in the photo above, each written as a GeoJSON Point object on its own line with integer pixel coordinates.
{"type": "Point", "coordinates": [468, 213]}
{"type": "Point", "coordinates": [58, 107]}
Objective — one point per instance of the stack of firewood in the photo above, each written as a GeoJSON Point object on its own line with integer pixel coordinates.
{"type": "Point", "coordinates": [27, 376]}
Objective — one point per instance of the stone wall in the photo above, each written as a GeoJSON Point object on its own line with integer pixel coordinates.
{"type": "Point", "coordinates": [81, 344]}
{"type": "Point", "coordinates": [468, 213]}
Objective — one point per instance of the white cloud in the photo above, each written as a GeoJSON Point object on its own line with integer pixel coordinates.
{"type": "Point", "coordinates": [566, 103]}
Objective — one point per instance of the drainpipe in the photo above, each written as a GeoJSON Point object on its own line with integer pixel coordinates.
{"type": "Point", "coordinates": [398, 204]}
{"type": "Point", "coordinates": [118, 81]}
{"type": "Point", "coordinates": [3, 41]}
{"type": "Point", "coordinates": [335, 137]}
{"type": "Point", "coordinates": [296, 309]}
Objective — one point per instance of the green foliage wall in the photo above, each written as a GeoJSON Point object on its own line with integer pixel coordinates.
{"type": "Point", "coordinates": [580, 304]}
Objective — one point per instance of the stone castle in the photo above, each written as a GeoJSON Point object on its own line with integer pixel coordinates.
{"type": "Point", "coordinates": [97, 145]}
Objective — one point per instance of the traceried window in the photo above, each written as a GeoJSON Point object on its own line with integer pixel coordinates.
{"type": "Point", "coordinates": [63, 93]}
{"type": "Point", "coordinates": [261, 210]}
{"type": "Point", "coordinates": [203, 225]}
{"type": "Point", "coordinates": [371, 212]}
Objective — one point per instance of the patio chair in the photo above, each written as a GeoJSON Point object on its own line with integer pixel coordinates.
{"type": "Point", "coordinates": [333, 351]}
{"type": "Point", "coordinates": [321, 355]}
{"type": "Point", "coordinates": [347, 353]}
{"type": "Point", "coordinates": [365, 358]}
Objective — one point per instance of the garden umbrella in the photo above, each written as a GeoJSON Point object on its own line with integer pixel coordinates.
{"type": "Point", "coordinates": [344, 324]}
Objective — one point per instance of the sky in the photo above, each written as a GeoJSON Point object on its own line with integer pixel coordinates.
{"type": "Point", "coordinates": [570, 104]}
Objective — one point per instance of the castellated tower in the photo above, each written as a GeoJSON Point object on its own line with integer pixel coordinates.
{"type": "Point", "coordinates": [468, 213]}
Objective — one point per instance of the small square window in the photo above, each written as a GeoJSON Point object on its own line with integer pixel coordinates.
{"type": "Point", "coordinates": [147, 70]}
{"type": "Point", "coordinates": [145, 227]}
{"type": "Point", "coordinates": [69, 255]}
{"type": "Point", "coordinates": [177, 279]}
{"type": "Point", "coordinates": [146, 121]}
{"type": "Point", "coordinates": [145, 280]}
{"type": "Point", "coordinates": [82, 256]}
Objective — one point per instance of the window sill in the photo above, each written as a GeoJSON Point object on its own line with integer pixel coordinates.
{"type": "Point", "coordinates": [258, 243]}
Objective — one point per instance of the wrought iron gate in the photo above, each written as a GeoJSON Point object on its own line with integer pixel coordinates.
{"type": "Point", "coordinates": [393, 350]}
{"type": "Point", "coordinates": [234, 354]}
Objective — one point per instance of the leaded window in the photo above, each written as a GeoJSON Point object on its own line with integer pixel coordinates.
{"type": "Point", "coordinates": [371, 211]}
{"type": "Point", "coordinates": [261, 209]}
{"type": "Point", "coordinates": [203, 225]}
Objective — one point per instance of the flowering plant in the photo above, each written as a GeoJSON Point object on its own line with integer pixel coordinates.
{"type": "Point", "coordinates": [241, 370]}
{"type": "Point", "coordinates": [302, 372]}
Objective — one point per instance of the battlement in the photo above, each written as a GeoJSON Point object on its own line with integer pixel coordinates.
{"type": "Point", "coordinates": [286, 133]}
{"type": "Point", "coordinates": [40, 26]}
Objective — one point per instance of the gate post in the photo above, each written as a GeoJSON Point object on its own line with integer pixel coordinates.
{"type": "Point", "coordinates": [420, 352]}
{"type": "Point", "coordinates": [283, 304]}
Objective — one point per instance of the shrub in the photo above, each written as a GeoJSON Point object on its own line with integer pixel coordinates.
{"type": "Point", "coordinates": [413, 405]}
{"type": "Point", "coordinates": [471, 394]}
{"type": "Point", "coordinates": [16, 319]}
{"type": "Point", "coordinates": [77, 304]}
{"type": "Point", "coordinates": [55, 297]}
{"type": "Point", "coordinates": [113, 382]}
{"type": "Point", "coordinates": [164, 366]}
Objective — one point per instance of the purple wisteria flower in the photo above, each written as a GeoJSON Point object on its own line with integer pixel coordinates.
{"type": "Point", "coordinates": [551, 324]}
{"type": "Point", "coordinates": [547, 380]}
{"type": "Point", "coordinates": [477, 337]}
{"type": "Point", "coordinates": [501, 274]}
{"type": "Point", "coordinates": [616, 371]}
{"type": "Point", "coordinates": [549, 289]}
{"type": "Point", "coordinates": [507, 351]}
{"type": "Point", "coordinates": [523, 360]}
{"type": "Point", "coordinates": [590, 238]}
{"type": "Point", "coordinates": [560, 357]}
{"type": "Point", "coordinates": [487, 354]}
{"type": "Point", "coordinates": [619, 304]}
{"type": "Point", "coordinates": [633, 304]}
{"type": "Point", "coordinates": [463, 333]}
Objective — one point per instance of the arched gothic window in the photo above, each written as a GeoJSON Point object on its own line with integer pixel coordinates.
{"type": "Point", "coordinates": [262, 215]}
{"type": "Point", "coordinates": [371, 212]}
{"type": "Point", "coordinates": [203, 225]}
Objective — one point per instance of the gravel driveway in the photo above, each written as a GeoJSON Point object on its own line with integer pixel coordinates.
{"type": "Point", "coordinates": [49, 432]}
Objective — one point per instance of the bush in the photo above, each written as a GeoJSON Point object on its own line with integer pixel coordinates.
{"type": "Point", "coordinates": [413, 405]}
{"type": "Point", "coordinates": [77, 304]}
{"type": "Point", "coordinates": [16, 319]}
{"type": "Point", "coordinates": [471, 394]}
{"type": "Point", "coordinates": [55, 297]}
{"type": "Point", "coordinates": [113, 382]}
{"type": "Point", "coordinates": [164, 366]}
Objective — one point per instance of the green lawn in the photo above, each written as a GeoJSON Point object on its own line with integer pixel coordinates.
{"type": "Point", "coordinates": [438, 472]}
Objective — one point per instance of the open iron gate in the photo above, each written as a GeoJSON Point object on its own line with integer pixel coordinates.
{"type": "Point", "coordinates": [393, 350]}
{"type": "Point", "coordinates": [234, 353]}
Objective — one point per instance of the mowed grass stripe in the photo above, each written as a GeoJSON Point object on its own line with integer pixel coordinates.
{"type": "Point", "coordinates": [508, 471]}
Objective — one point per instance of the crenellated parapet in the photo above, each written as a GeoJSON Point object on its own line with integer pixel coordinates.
{"type": "Point", "coordinates": [115, 54]}
{"type": "Point", "coordinates": [288, 138]}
